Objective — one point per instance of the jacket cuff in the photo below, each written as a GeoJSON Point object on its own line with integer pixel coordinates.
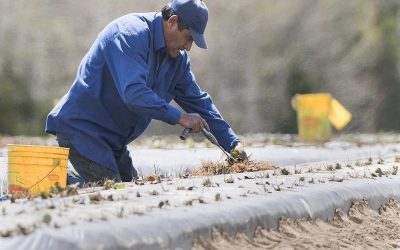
{"type": "Point", "coordinates": [233, 144]}
{"type": "Point", "coordinates": [172, 116]}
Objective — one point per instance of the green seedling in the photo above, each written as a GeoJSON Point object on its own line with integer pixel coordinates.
{"type": "Point", "coordinates": [56, 189]}
{"type": "Point", "coordinates": [46, 218]}
{"type": "Point", "coordinates": [218, 197]}
{"type": "Point", "coordinates": [119, 185]}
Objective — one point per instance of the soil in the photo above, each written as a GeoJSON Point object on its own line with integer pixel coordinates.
{"type": "Point", "coordinates": [361, 228]}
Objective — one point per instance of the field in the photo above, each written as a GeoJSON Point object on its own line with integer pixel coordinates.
{"type": "Point", "coordinates": [341, 194]}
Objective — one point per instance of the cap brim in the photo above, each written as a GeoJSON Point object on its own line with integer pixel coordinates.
{"type": "Point", "coordinates": [199, 39]}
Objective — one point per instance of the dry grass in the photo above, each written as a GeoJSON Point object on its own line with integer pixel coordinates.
{"type": "Point", "coordinates": [215, 168]}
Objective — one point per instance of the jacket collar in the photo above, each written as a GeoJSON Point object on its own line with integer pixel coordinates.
{"type": "Point", "coordinates": [159, 41]}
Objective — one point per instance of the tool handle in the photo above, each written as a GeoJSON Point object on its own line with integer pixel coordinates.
{"type": "Point", "coordinates": [209, 136]}
{"type": "Point", "coordinates": [185, 133]}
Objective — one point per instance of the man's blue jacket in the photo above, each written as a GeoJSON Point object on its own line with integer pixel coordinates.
{"type": "Point", "coordinates": [120, 86]}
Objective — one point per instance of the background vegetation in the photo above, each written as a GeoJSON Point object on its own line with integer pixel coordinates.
{"type": "Point", "coordinates": [261, 53]}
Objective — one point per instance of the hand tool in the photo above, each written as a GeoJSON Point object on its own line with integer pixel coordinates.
{"type": "Point", "coordinates": [211, 138]}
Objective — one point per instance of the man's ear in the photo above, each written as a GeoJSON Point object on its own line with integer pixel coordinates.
{"type": "Point", "coordinates": [173, 20]}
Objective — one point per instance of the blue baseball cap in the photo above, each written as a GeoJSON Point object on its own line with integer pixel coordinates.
{"type": "Point", "coordinates": [195, 14]}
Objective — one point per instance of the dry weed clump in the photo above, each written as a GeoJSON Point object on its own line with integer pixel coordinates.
{"type": "Point", "coordinates": [215, 168]}
{"type": "Point", "coordinates": [20, 194]}
{"type": "Point", "coordinates": [153, 179]}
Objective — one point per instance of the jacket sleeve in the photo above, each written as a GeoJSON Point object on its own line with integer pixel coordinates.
{"type": "Point", "coordinates": [125, 57]}
{"type": "Point", "coordinates": [192, 99]}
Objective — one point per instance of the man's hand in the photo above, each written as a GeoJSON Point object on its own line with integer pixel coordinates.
{"type": "Point", "coordinates": [193, 121]}
{"type": "Point", "coordinates": [239, 153]}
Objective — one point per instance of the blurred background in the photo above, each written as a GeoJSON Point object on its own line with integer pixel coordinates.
{"type": "Point", "coordinates": [261, 53]}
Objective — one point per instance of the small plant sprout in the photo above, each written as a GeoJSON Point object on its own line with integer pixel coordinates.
{"type": "Point", "coordinates": [218, 197]}
{"type": "Point", "coordinates": [230, 179]}
{"type": "Point", "coordinates": [277, 187]}
{"type": "Point", "coordinates": [284, 171]}
{"type": "Point", "coordinates": [312, 181]}
{"type": "Point", "coordinates": [207, 182]}
{"type": "Point", "coordinates": [338, 166]}
{"type": "Point", "coordinates": [297, 170]}
{"type": "Point", "coordinates": [154, 193]}
{"type": "Point", "coordinates": [379, 172]}
{"type": "Point", "coordinates": [262, 176]}
{"type": "Point", "coordinates": [330, 168]}
{"type": "Point", "coordinates": [352, 175]}
{"type": "Point", "coordinates": [291, 185]}
{"type": "Point", "coordinates": [394, 170]}
{"type": "Point", "coordinates": [95, 197]}
{"type": "Point", "coordinates": [365, 173]}
{"type": "Point", "coordinates": [103, 217]}
{"type": "Point", "coordinates": [162, 204]}
{"type": "Point", "coordinates": [110, 197]}
{"type": "Point", "coordinates": [120, 213]}
{"type": "Point", "coordinates": [381, 161]}
{"type": "Point", "coordinates": [188, 202]}
{"type": "Point", "coordinates": [153, 179]}
{"type": "Point", "coordinates": [108, 184]}
{"type": "Point", "coordinates": [334, 178]}
{"type": "Point", "coordinates": [183, 173]}
{"type": "Point", "coordinates": [46, 218]}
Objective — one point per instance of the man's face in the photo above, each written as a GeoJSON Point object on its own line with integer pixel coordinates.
{"type": "Point", "coordinates": [175, 39]}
